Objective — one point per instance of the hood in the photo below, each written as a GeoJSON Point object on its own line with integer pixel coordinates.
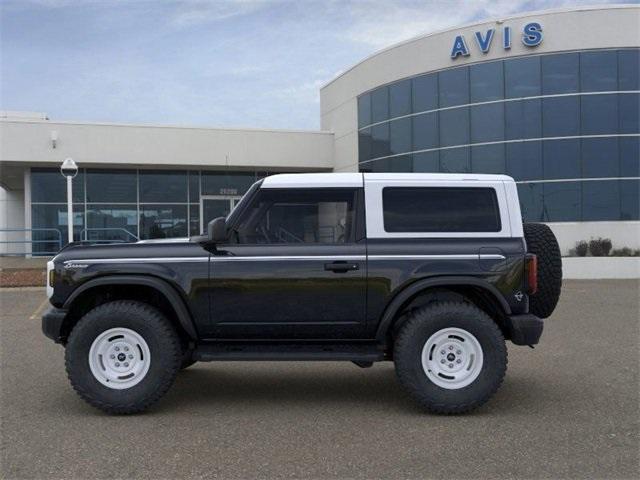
{"type": "Point", "coordinates": [145, 248]}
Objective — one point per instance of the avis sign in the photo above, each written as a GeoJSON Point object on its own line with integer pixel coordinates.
{"type": "Point", "coordinates": [531, 37]}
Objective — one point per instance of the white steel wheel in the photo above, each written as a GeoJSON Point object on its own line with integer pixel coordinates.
{"type": "Point", "coordinates": [452, 358]}
{"type": "Point", "coordinates": [119, 358]}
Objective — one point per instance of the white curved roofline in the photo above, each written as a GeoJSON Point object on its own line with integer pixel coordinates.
{"type": "Point", "coordinates": [481, 22]}
{"type": "Point", "coordinates": [319, 180]}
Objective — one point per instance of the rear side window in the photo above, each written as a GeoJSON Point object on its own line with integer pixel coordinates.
{"type": "Point", "coordinates": [440, 209]}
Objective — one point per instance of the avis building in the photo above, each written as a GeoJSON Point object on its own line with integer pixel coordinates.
{"type": "Point", "coordinates": [549, 98]}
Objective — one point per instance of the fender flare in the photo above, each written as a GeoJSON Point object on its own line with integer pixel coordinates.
{"type": "Point", "coordinates": [416, 287]}
{"type": "Point", "coordinates": [182, 312]}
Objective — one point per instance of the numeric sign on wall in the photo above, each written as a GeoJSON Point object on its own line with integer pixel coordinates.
{"type": "Point", "coordinates": [531, 37]}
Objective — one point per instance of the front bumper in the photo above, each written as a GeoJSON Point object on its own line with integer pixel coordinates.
{"type": "Point", "coordinates": [52, 321]}
{"type": "Point", "coordinates": [525, 329]}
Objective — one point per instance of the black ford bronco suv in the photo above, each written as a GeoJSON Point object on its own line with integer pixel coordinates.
{"type": "Point", "coordinates": [431, 271]}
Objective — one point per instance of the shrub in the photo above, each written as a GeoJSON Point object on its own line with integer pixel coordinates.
{"type": "Point", "coordinates": [581, 248]}
{"type": "Point", "coordinates": [600, 247]}
{"type": "Point", "coordinates": [625, 252]}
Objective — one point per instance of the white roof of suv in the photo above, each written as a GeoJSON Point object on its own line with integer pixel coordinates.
{"type": "Point", "coordinates": [310, 180]}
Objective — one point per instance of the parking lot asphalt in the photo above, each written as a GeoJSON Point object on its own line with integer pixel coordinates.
{"type": "Point", "coordinates": [568, 409]}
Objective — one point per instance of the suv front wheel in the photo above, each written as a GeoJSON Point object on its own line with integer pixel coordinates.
{"type": "Point", "coordinates": [122, 356]}
{"type": "Point", "coordinates": [450, 356]}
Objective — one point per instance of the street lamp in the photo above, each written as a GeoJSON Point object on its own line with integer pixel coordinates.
{"type": "Point", "coordinates": [69, 169]}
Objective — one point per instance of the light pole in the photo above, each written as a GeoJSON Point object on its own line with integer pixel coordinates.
{"type": "Point", "coordinates": [69, 169]}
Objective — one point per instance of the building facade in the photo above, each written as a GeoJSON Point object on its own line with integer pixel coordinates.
{"type": "Point", "coordinates": [550, 98]}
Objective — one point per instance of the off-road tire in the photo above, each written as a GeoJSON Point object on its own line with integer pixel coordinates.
{"type": "Point", "coordinates": [542, 242]}
{"type": "Point", "coordinates": [421, 324]}
{"type": "Point", "coordinates": [158, 333]}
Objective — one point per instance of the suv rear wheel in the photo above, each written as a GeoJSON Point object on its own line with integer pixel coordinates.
{"type": "Point", "coordinates": [450, 356]}
{"type": "Point", "coordinates": [122, 356]}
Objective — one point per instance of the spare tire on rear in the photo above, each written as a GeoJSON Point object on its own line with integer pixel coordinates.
{"type": "Point", "coordinates": [542, 242]}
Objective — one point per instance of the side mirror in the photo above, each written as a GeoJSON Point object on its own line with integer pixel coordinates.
{"type": "Point", "coordinates": [217, 230]}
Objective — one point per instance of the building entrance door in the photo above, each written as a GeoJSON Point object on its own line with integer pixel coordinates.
{"type": "Point", "coordinates": [214, 206]}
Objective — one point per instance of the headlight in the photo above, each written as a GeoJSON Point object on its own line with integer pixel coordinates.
{"type": "Point", "coordinates": [51, 276]}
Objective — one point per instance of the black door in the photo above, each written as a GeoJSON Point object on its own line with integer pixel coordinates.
{"type": "Point", "coordinates": [294, 267]}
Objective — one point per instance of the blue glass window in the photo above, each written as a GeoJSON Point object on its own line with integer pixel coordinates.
{"type": "Point", "coordinates": [380, 105]}
{"type": "Point", "coordinates": [364, 110]}
{"type": "Point", "coordinates": [428, 162]}
{"type": "Point", "coordinates": [524, 160]}
{"type": "Point", "coordinates": [487, 82]}
{"type": "Point", "coordinates": [454, 127]}
{"type": "Point", "coordinates": [487, 123]}
{"type": "Point", "coordinates": [600, 157]}
{"type": "Point", "coordinates": [561, 116]}
{"type": "Point", "coordinates": [380, 141]}
{"type": "Point", "coordinates": [194, 186]}
{"type": "Point", "coordinates": [530, 195]}
{"type": "Point", "coordinates": [425, 131]}
{"type": "Point", "coordinates": [112, 222]}
{"type": "Point", "coordinates": [455, 160]}
{"type": "Point", "coordinates": [425, 93]}
{"type": "Point", "coordinates": [599, 114]}
{"type": "Point", "coordinates": [48, 185]}
{"type": "Point", "coordinates": [454, 87]}
{"type": "Point", "coordinates": [561, 159]}
{"type": "Point", "coordinates": [599, 71]}
{"type": "Point", "coordinates": [562, 201]}
{"type": "Point", "coordinates": [522, 77]}
{"type": "Point", "coordinates": [488, 159]}
{"type": "Point", "coordinates": [560, 73]}
{"type": "Point", "coordinates": [163, 221]}
{"type": "Point", "coordinates": [194, 219]}
{"type": "Point", "coordinates": [629, 112]}
{"type": "Point", "coordinates": [630, 156]}
{"type": "Point", "coordinates": [364, 144]}
{"type": "Point", "coordinates": [601, 200]}
{"type": "Point", "coordinates": [400, 135]}
{"type": "Point", "coordinates": [377, 166]}
{"type": "Point", "coordinates": [629, 69]}
{"type": "Point", "coordinates": [401, 163]}
{"type": "Point", "coordinates": [523, 119]}
{"type": "Point", "coordinates": [54, 217]}
{"type": "Point", "coordinates": [166, 186]}
{"type": "Point", "coordinates": [400, 98]}
{"type": "Point", "coordinates": [112, 186]}
{"type": "Point", "coordinates": [629, 199]}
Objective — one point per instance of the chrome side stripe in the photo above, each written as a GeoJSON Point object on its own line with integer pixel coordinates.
{"type": "Point", "coordinates": [471, 256]}
{"type": "Point", "coordinates": [138, 260]}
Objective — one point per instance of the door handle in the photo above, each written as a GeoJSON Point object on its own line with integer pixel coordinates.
{"type": "Point", "coordinates": [341, 267]}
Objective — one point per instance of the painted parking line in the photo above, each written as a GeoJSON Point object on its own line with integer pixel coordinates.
{"type": "Point", "coordinates": [39, 310]}
{"type": "Point", "coordinates": [22, 289]}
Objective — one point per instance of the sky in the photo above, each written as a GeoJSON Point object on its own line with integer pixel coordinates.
{"type": "Point", "coordinates": [231, 63]}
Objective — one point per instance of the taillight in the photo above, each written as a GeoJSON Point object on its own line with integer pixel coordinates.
{"type": "Point", "coordinates": [532, 273]}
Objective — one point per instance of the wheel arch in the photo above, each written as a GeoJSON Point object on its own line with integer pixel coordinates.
{"type": "Point", "coordinates": [180, 310]}
{"type": "Point", "coordinates": [457, 285]}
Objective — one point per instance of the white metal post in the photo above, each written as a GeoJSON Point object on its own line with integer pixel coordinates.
{"type": "Point", "coordinates": [70, 208]}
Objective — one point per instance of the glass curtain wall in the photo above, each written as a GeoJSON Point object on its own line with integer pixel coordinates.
{"type": "Point", "coordinates": [565, 126]}
{"type": "Point", "coordinates": [118, 205]}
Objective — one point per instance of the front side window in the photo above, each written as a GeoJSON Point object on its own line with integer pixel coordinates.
{"type": "Point", "coordinates": [298, 216]}
{"type": "Point", "coordinates": [440, 209]}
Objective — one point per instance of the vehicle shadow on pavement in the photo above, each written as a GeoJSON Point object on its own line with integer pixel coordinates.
{"type": "Point", "coordinates": [280, 385]}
